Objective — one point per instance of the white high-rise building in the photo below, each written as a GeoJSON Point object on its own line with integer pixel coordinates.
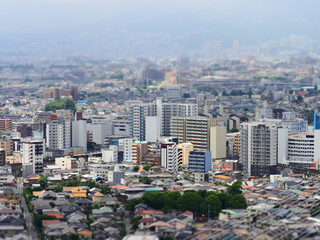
{"type": "Point", "coordinates": [79, 134]}
{"type": "Point", "coordinates": [258, 148]}
{"type": "Point", "coordinates": [169, 154]}
{"type": "Point", "coordinates": [99, 128]}
{"type": "Point", "coordinates": [152, 128]}
{"type": "Point", "coordinates": [32, 151]}
{"type": "Point", "coordinates": [164, 111]}
{"type": "Point", "coordinates": [58, 132]}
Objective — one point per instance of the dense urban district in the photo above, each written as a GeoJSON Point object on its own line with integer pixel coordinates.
{"type": "Point", "coordinates": [166, 149]}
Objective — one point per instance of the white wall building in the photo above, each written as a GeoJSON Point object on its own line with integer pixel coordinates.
{"type": "Point", "coordinates": [32, 151]}
{"type": "Point", "coordinates": [169, 154]}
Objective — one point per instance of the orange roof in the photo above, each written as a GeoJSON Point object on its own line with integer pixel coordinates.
{"type": "Point", "coordinates": [217, 166]}
{"type": "Point", "coordinates": [160, 224]}
{"type": "Point", "coordinates": [78, 192]}
{"type": "Point", "coordinates": [98, 194]}
{"type": "Point", "coordinates": [140, 169]}
{"type": "Point", "coordinates": [46, 223]}
{"type": "Point", "coordinates": [34, 178]}
{"type": "Point", "coordinates": [119, 187]}
{"type": "Point", "coordinates": [57, 215]}
{"type": "Point", "coordinates": [226, 169]}
{"type": "Point", "coordinates": [222, 177]}
{"type": "Point", "coordinates": [85, 233]}
{"type": "Point", "coordinates": [36, 194]}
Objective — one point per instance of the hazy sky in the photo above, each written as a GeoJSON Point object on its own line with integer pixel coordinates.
{"type": "Point", "coordinates": [250, 21]}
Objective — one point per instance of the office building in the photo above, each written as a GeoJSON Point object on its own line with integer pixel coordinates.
{"type": "Point", "coordinates": [296, 149]}
{"type": "Point", "coordinates": [5, 125]}
{"type": "Point", "coordinates": [138, 150]}
{"type": "Point", "coordinates": [258, 148]}
{"type": "Point", "coordinates": [151, 159]}
{"type": "Point", "coordinates": [153, 128]}
{"type": "Point", "coordinates": [195, 130]}
{"type": "Point", "coordinates": [25, 130]}
{"type": "Point", "coordinates": [137, 117]}
{"type": "Point", "coordinates": [183, 153]}
{"type": "Point", "coordinates": [7, 146]}
{"type": "Point", "coordinates": [169, 154]}
{"type": "Point", "coordinates": [2, 157]}
{"type": "Point", "coordinates": [51, 93]}
{"type": "Point", "coordinates": [66, 162]}
{"type": "Point", "coordinates": [121, 125]}
{"type": "Point", "coordinates": [98, 129]}
{"type": "Point", "coordinates": [32, 152]}
{"type": "Point", "coordinates": [200, 161]}
{"type": "Point", "coordinates": [218, 142]}
{"type": "Point", "coordinates": [58, 131]}
{"type": "Point", "coordinates": [79, 134]}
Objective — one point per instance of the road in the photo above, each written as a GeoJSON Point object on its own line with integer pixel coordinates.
{"type": "Point", "coordinates": [28, 216]}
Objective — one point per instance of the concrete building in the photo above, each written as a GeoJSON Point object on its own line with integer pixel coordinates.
{"type": "Point", "coordinates": [258, 148]}
{"type": "Point", "coordinates": [169, 154]}
{"type": "Point", "coordinates": [5, 125]}
{"type": "Point", "coordinates": [2, 157]}
{"type": "Point", "coordinates": [137, 117]}
{"type": "Point", "coordinates": [6, 175]}
{"type": "Point", "coordinates": [121, 125]}
{"type": "Point", "coordinates": [153, 129]}
{"type": "Point", "coordinates": [51, 93]}
{"type": "Point", "coordinates": [7, 145]}
{"type": "Point", "coordinates": [58, 131]}
{"type": "Point", "coordinates": [218, 142]}
{"type": "Point", "coordinates": [115, 176]}
{"type": "Point", "coordinates": [138, 150]}
{"type": "Point", "coordinates": [151, 159]}
{"type": "Point", "coordinates": [183, 153]}
{"type": "Point", "coordinates": [195, 130]}
{"type": "Point", "coordinates": [200, 161]}
{"type": "Point", "coordinates": [109, 155]}
{"type": "Point", "coordinates": [66, 162]}
{"type": "Point", "coordinates": [79, 134]}
{"type": "Point", "coordinates": [32, 152]}
{"type": "Point", "coordinates": [98, 129]}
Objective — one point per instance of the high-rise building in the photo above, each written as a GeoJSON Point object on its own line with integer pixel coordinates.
{"type": "Point", "coordinates": [79, 134]}
{"type": "Point", "coordinates": [200, 161]}
{"type": "Point", "coordinates": [218, 142]}
{"type": "Point", "coordinates": [58, 131]}
{"type": "Point", "coordinates": [137, 117]}
{"type": "Point", "coordinates": [259, 148]}
{"type": "Point", "coordinates": [51, 93]}
{"type": "Point", "coordinates": [7, 145]}
{"type": "Point", "coordinates": [138, 150]}
{"type": "Point", "coordinates": [169, 153]}
{"type": "Point", "coordinates": [195, 130]}
{"type": "Point", "coordinates": [316, 121]}
{"type": "Point", "coordinates": [25, 130]}
{"type": "Point", "coordinates": [32, 151]}
{"type": "Point", "coordinates": [183, 153]}
{"type": "Point", "coordinates": [5, 125]}
{"type": "Point", "coordinates": [2, 157]}
{"type": "Point", "coordinates": [164, 111]}
{"type": "Point", "coordinates": [152, 128]}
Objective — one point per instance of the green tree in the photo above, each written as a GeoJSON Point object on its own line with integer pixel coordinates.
{"type": "Point", "coordinates": [73, 236]}
{"type": "Point", "coordinates": [190, 201]}
{"type": "Point", "coordinates": [135, 222]}
{"type": "Point", "coordinates": [91, 146]}
{"type": "Point", "coordinates": [37, 220]}
{"type": "Point", "coordinates": [238, 202]}
{"type": "Point", "coordinates": [65, 104]}
{"type": "Point", "coordinates": [235, 188]}
{"type": "Point", "coordinates": [136, 168]}
{"type": "Point", "coordinates": [234, 130]}
{"type": "Point", "coordinates": [223, 198]}
{"type": "Point", "coordinates": [43, 181]}
{"type": "Point", "coordinates": [214, 204]}
{"type": "Point", "coordinates": [147, 167]}
{"type": "Point", "coordinates": [52, 204]}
